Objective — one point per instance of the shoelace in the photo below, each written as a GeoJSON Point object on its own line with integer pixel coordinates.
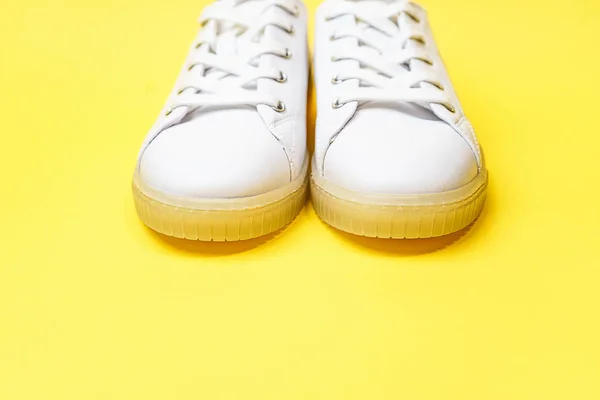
{"type": "Point", "coordinates": [376, 66]}
{"type": "Point", "coordinates": [230, 79]}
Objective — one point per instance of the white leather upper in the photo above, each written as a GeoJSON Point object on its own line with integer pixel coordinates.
{"type": "Point", "coordinates": [382, 144]}
{"type": "Point", "coordinates": [219, 154]}
{"type": "Point", "coordinates": [205, 150]}
{"type": "Point", "coordinates": [400, 153]}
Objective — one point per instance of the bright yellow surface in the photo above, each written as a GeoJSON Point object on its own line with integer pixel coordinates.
{"type": "Point", "coordinates": [95, 306]}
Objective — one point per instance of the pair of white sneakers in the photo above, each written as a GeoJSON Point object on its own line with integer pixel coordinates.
{"type": "Point", "coordinates": [394, 157]}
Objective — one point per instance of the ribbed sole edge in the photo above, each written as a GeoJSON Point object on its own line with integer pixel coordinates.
{"type": "Point", "coordinates": [219, 225]}
{"type": "Point", "coordinates": [397, 222]}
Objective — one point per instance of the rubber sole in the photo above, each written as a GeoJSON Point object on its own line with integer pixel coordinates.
{"type": "Point", "coordinates": [398, 216]}
{"type": "Point", "coordinates": [229, 219]}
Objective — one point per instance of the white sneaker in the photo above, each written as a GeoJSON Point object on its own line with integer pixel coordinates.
{"type": "Point", "coordinates": [226, 159]}
{"type": "Point", "coordinates": [394, 154]}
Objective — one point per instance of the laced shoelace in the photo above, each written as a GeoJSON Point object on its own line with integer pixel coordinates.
{"type": "Point", "coordinates": [376, 66]}
{"type": "Point", "coordinates": [228, 78]}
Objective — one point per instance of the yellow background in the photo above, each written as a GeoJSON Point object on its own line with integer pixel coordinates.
{"type": "Point", "coordinates": [95, 306]}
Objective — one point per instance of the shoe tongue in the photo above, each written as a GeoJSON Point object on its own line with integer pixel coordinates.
{"type": "Point", "coordinates": [228, 43]}
{"type": "Point", "coordinates": [374, 35]}
{"type": "Point", "coordinates": [403, 22]}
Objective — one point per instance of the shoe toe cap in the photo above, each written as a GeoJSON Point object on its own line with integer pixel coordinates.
{"type": "Point", "coordinates": [403, 155]}
{"type": "Point", "coordinates": [222, 154]}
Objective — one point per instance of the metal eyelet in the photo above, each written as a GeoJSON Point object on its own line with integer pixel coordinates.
{"type": "Point", "coordinates": [425, 60]}
{"type": "Point", "coordinates": [287, 54]}
{"type": "Point", "coordinates": [332, 37]}
{"type": "Point", "coordinates": [449, 107]}
{"type": "Point", "coordinates": [296, 11]}
{"type": "Point", "coordinates": [337, 103]}
{"type": "Point", "coordinates": [279, 107]}
{"type": "Point", "coordinates": [436, 84]}
{"type": "Point", "coordinates": [291, 31]}
{"type": "Point", "coordinates": [168, 112]}
{"type": "Point", "coordinates": [414, 17]}
{"type": "Point", "coordinates": [282, 77]}
{"type": "Point", "coordinates": [202, 43]}
{"type": "Point", "coordinates": [191, 67]}
{"type": "Point", "coordinates": [334, 59]}
{"type": "Point", "coordinates": [418, 38]}
{"type": "Point", "coordinates": [335, 80]}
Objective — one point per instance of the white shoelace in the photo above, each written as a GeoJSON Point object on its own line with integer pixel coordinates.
{"type": "Point", "coordinates": [227, 78]}
{"type": "Point", "coordinates": [376, 66]}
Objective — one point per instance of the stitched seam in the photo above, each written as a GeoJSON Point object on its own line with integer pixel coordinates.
{"type": "Point", "coordinates": [285, 150]}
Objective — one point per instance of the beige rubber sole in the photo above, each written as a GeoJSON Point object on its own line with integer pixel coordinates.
{"type": "Point", "coordinates": [220, 219]}
{"type": "Point", "coordinates": [398, 216]}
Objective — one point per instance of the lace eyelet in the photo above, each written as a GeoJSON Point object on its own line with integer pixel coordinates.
{"type": "Point", "coordinates": [282, 77]}
{"type": "Point", "coordinates": [168, 112]}
{"type": "Point", "coordinates": [425, 60]}
{"type": "Point", "coordinates": [418, 38]}
{"type": "Point", "coordinates": [436, 84]}
{"type": "Point", "coordinates": [414, 17]}
{"type": "Point", "coordinates": [199, 44]}
{"type": "Point", "coordinates": [191, 67]}
{"type": "Point", "coordinates": [291, 30]}
{"type": "Point", "coordinates": [335, 80]}
{"type": "Point", "coordinates": [337, 103]}
{"type": "Point", "coordinates": [279, 107]}
{"type": "Point", "coordinates": [334, 59]}
{"type": "Point", "coordinates": [332, 37]}
{"type": "Point", "coordinates": [296, 12]}
{"type": "Point", "coordinates": [287, 54]}
{"type": "Point", "coordinates": [449, 107]}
